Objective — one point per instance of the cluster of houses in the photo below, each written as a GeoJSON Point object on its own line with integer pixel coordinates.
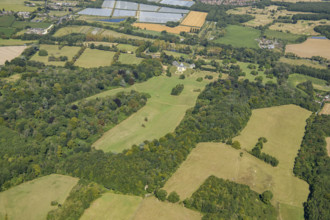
{"type": "Point", "coordinates": [267, 44]}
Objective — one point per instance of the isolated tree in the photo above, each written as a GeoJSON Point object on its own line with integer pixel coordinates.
{"type": "Point", "coordinates": [161, 194]}
{"type": "Point", "coordinates": [173, 197]}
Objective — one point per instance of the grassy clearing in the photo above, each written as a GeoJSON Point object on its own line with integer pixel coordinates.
{"type": "Point", "coordinates": [283, 126]}
{"type": "Point", "coordinates": [250, 77]}
{"type": "Point", "coordinates": [326, 109]}
{"type": "Point", "coordinates": [31, 200]}
{"type": "Point", "coordinates": [289, 212]}
{"type": "Point", "coordinates": [176, 54]}
{"type": "Point", "coordinates": [129, 58]}
{"type": "Point", "coordinates": [281, 35]}
{"type": "Point", "coordinates": [14, 42]}
{"type": "Point", "coordinates": [55, 51]}
{"type": "Point", "coordinates": [127, 47]}
{"type": "Point", "coordinates": [311, 47]}
{"type": "Point", "coordinates": [299, 62]}
{"type": "Point", "coordinates": [112, 206]}
{"type": "Point", "coordinates": [164, 112]}
{"type": "Point", "coordinates": [10, 52]}
{"type": "Point", "coordinates": [15, 5]}
{"type": "Point", "coordinates": [295, 79]}
{"type": "Point", "coordinates": [302, 27]}
{"type": "Point", "coordinates": [93, 31]}
{"type": "Point", "coordinates": [95, 58]}
{"type": "Point", "coordinates": [239, 36]}
{"type": "Point", "coordinates": [151, 209]}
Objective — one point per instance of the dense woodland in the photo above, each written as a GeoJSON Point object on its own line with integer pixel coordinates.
{"type": "Point", "coordinates": [222, 199]}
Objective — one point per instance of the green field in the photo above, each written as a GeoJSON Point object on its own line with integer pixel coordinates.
{"type": "Point", "coordinates": [7, 21]}
{"type": "Point", "coordinates": [23, 24]}
{"type": "Point", "coordinates": [151, 209]}
{"type": "Point", "coordinates": [15, 42]}
{"type": "Point", "coordinates": [93, 31]}
{"type": "Point", "coordinates": [283, 126]}
{"type": "Point", "coordinates": [15, 5]}
{"type": "Point", "coordinates": [7, 31]}
{"type": "Point", "coordinates": [112, 206]}
{"type": "Point", "coordinates": [250, 77]}
{"type": "Point", "coordinates": [301, 61]}
{"type": "Point", "coordinates": [95, 58]}
{"type": "Point", "coordinates": [127, 47]}
{"type": "Point", "coordinates": [31, 200]}
{"type": "Point", "coordinates": [54, 50]}
{"type": "Point", "coordinates": [272, 34]}
{"type": "Point", "coordinates": [295, 79]}
{"type": "Point", "coordinates": [239, 36]}
{"type": "Point", "coordinates": [126, 58]}
{"type": "Point", "coordinates": [176, 54]}
{"type": "Point", "coordinates": [164, 112]}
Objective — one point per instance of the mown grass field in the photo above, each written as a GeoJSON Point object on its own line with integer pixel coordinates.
{"type": "Point", "coordinates": [95, 58]}
{"type": "Point", "coordinates": [151, 209]}
{"type": "Point", "coordinates": [283, 126]}
{"type": "Point", "coordinates": [295, 79]}
{"type": "Point", "coordinates": [15, 5]}
{"type": "Point", "coordinates": [299, 62]}
{"type": "Point", "coordinates": [281, 35]}
{"type": "Point", "coordinates": [92, 31]}
{"type": "Point", "coordinates": [55, 51]}
{"type": "Point", "coordinates": [126, 58]}
{"type": "Point", "coordinates": [15, 42]}
{"type": "Point", "coordinates": [163, 111]}
{"type": "Point", "coordinates": [113, 206]}
{"type": "Point", "coordinates": [127, 47]}
{"type": "Point", "coordinates": [31, 200]}
{"type": "Point", "coordinates": [239, 36]}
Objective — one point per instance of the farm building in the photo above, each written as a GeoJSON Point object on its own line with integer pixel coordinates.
{"type": "Point", "coordinates": [182, 67]}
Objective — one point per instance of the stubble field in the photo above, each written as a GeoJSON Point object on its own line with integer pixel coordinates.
{"type": "Point", "coordinates": [10, 52]}
{"type": "Point", "coordinates": [194, 19]}
{"type": "Point", "coordinates": [311, 47]}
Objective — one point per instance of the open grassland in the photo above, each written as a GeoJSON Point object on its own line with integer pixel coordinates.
{"type": "Point", "coordinates": [15, 5]}
{"type": "Point", "coordinates": [55, 51]}
{"type": "Point", "coordinates": [10, 52]}
{"type": "Point", "coordinates": [239, 36]}
{"type": "Point", "coordinates": [272, 34]}
{"type": "Point", "coordinates": [250, 77]}
{"type": "Point", "coordinates": [160, 28]}
{"type": "Point", "coordinates": [89, 30]}
{"type": "Point", "coordinates": [289, 212]}
{"type": "Point", "coordinates": [302, 27]}
{"type": "Point", "coordinates": [129, 58]}
{"type": "Point", "coordinates": [326, 109]}
{"type": "Point", "coordinates": [194, 19]}
{"type": "Point", "coordinates": [97, 43]}
{"type": "Point", "coordinates": [112, 206]}
{"type": "Point", "coordinates": [95, 58]}
{"type": "Point", "coordinates": [295, 79]}
{"type": "Point", "coordinates": [127, 47]}
{"type": "Point", "coordinates": [7, 31]}
{"type": "Point", "coordinates": [299, 62]}
{"type": "Point", "coordinates": [163, 112]}
{"type": "Point", "coordinates": [283, 126]}
{"type": "Point", "coordinates": [31, 200]}
{"type": "Point", "coordinates": [176, 54]}
{"type": "Point", "coordinates": [311, 47]}
{"type": "Point", "coordinates": [151, 209]}
{"type": "Point", "coordinates": [14, 42]}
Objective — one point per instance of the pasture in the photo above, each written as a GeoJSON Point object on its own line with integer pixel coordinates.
{"type": "Point", "coordinates": [326, 109]}
{"type": "Point", "coordinates": [250, 77]}
{"type": "Point", "coordinates": [235, 34]}
{"type": "Point", "coordinates": [15, 42]}
{"type": "Point", "coordinates": [295, 79]}
{"type": "Point", "coordinates": [95, 58]}
{"type": "Point", "coordinates": [113, 206]}
{"type": "Point", "coordinates": [151, 208]}
{"type": "Point", "coordinates": [127, 47]}
{"type": "Point", "coordinates": [31, 200]}
{"type": "Point", "coordinates": [194, 19]}
{"type": "Point", "coordinates": [126, 58]}
{"type": "Point", "coordinates": [15, 5]}
{"type": "Point", "coordinates": [302, 27]}
{"type": "Point", "coordinates": [163, 111]}
{"type": "Point", "coordinates": [299, 62]}
{"type": "Point", "coordinates": [176, 54]}
{"type": "Point", "coordinates": [311, 47]}
{"type": "Point", "coordinates": [272, 34]}
{"type": "Point", "coordinates": [10, 52]}
{"type": "Point", "coordinates": [160, 28]}
{"type": "Point", "coordinates": [283, 126]}
{"type": "Point", "coordinates": [55, 51]}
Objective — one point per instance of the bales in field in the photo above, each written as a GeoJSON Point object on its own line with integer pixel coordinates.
{"type": "Point", "coordinates": [311, 47]}
{"type": "Point", "coordinates": [283, 126]}
{"type": "Point", "coordinates": [32, 200]}
{"type": "Point", "coordinates": [10, 52]}
{"type": "Point", "coordinates": [160, 28]}
{"type": "Point", "coordinates": [194, 19]}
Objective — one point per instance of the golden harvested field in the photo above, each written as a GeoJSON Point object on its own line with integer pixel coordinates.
{"type": "Point", "coordinates": [328, 145]}
{"type": "Point", "coordinates": [326, 109]}
{"type": "Point", "coordinates": [10, 52]}
{"type": "Point", "coordinates": [31, 200]}
{"type": "Point", "coordinates": [299, 62]}
{"type": "Point", "coordinates": [160, 28]}
{"type": "Point", "coordinates": [151, 208]}
{"type": "Point", "coordinates": [194, 19]}
{"type": "Point", "coordinates": [283, 126]}
{"type": "Point", "coordinates": [301, 27]}
{"type": "Point", "coordinates": [311, 47]}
